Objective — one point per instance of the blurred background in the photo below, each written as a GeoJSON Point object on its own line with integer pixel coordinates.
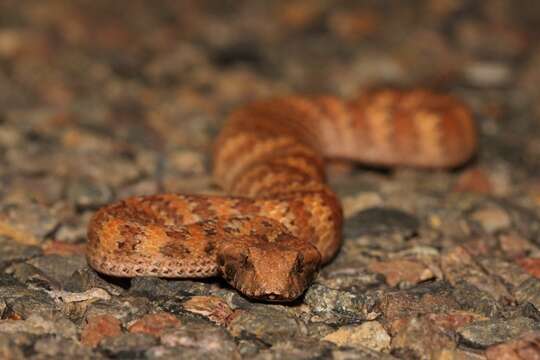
{"type": "Point", "coordinates": [111, 91]}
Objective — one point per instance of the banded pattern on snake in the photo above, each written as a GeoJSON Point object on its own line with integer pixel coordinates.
{"type": "Point", "coordinates": [281, 221]}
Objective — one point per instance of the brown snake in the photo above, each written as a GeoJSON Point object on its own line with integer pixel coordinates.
{"type": "Point", "coordinates": [281, 221]}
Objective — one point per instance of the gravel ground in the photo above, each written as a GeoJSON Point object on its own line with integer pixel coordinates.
{"type": "Point", "coordinates": [101, 99]}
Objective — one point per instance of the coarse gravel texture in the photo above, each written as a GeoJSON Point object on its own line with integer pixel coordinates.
{"type": "Point", "coordinates": [104, 99]}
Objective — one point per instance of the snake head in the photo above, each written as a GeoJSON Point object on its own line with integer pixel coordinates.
{"type": "Point", "coordinates": [271, 271]}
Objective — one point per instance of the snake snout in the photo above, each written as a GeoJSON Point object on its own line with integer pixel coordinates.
{"type": "Point", "coordinates": [269, 272]}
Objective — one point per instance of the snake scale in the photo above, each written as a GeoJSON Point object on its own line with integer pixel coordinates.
{"type": "Point", "coordinates": [280, 221]}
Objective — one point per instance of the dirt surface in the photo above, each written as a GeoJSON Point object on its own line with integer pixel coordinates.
{"type": "Point", "coordinates": [100, 100]}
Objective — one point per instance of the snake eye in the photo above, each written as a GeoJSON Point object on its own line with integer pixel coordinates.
{"type": "Point", "coordinates": [244, 261]}
{"type": "Point", "coordinates": [229, 272]}
{"type": "Point", "coordinates": [299, 265]}
{"type": "Point", "coordinates": [221, 260]}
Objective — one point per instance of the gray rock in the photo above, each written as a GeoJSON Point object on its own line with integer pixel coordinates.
{"type": "Point", "coordinates": [24, 302]}
{"type": "Point", "coordinates": [127, 346]}
{"type": "Point", "coordinates": [32, 276]}
{"type": "Point", "coordinates": [379, 221]}
{"type": "Point", "coordinates": [364, 354]}
{"type": "Point", "coordinates": [369, 334]}
{"type": "Point", "coordinates": [124, 308]}
{"type": "Point", "coordinates": [155, 288]}
{"type": "Point", "coordinates": [338, 307]}
{"type": "Point", "coordinates": [459, 268]}
{"type": "Point", "coordinates": [319, 329]}
{"type": "Point", "coordinates": [431, 297]}
{"type": "Point", "coordinates": [182, 353]}
{"type": "Point", "coordinates": [59, 268]}
{"type": "Point", "coordinates": [87, 193]}
{"type": "Point", "coordinates": [59, 347]}
{"type": "Point", "coordinates": [34, 219]}
{"type": "Point", "coordinates": [8, 281]}
{"type": "Point", "coordinates": [73, 229]}
{"type": "Point", "coordinates": [38, 325]}
{"type": "Point", "coordinates": [13, 252]}
{"type": "Point", "coordinates": [266, 323]}
{"type": "Point", "coordinates": [299, 348]}
{"type": "Point", "coordinates": [529, 292]}
{"type": "Point", "coordinates": [349, 277]}
{"type": "Point", "coordinates": [84, 279]}
{"type": "Point", "coordinates": [489, 332]}
{"type": "Point", "coordinates": [250, 347]}
{"type": "Point", "coordinates": [199, 340]}
{"type": "Point", "coordinates": [35, 304]}
{"type": "Point", "coordinates": [473, 299]}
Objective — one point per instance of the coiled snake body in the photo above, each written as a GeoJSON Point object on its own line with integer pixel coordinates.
{"type": "Point", "coordinates": [281, 221]}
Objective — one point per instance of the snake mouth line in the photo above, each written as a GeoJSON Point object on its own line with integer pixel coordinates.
{"type": "Point", "coordinates": [270, 296]}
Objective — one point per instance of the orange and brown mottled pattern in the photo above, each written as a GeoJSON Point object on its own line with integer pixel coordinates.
{"type": "Point", "coordinates": [281, 221]}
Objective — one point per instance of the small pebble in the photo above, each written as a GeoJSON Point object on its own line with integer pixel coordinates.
{"type": "Point", "coordinates": [490, 332]}
{"type": "Point", "coordinates": [529, 292]}
{"type": "Point", "coordinates": [474, 180]}
{"type": "Point", "coordinates": [370, 334]}
{"type": "Point", "coordinates": [208, 340]}
{"type": "Point", "coordinates": [401, 271]}
{"type": "Point", "coordinates": [458, 266]}
{"type": "Point", "coordinates": [98, 328]}
{"type": "Point", "coordinates": [127, 345]}
{"type": "Point", "coordinates": [211, 307]}
{"type": "Point", "coordinates": [154, 324]}
{"type": "Point", "coordinates": [492, 219]}
{"type": "Point", "coordinates": [488, 74]}
{"type": "Point", "coordinates": [38, 325]}
{"type": "Point", "coordinates": [420, 338]}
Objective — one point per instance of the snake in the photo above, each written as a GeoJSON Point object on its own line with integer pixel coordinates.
{"type": "Point", "coordinates": [278, 221]}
